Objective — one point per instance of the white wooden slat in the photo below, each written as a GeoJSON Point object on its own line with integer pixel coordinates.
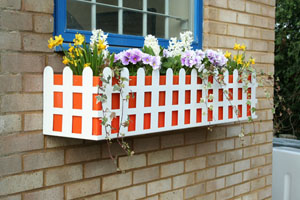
{"type": "Point", "coordinates": [193, 97]}
{"type": "Point", "coordinates": [48, 100]}
{"type": "Point", "coordinates": [235, 93]}
{"type": "Point", "coordinates": [67, 101]}
{"type": "Point", "coordinates": [140, 100]}
{"type": "Point", "coordinates": [181, 98]}
{"type": "Point", "coordinates": [154, 99]}
{"type": "Point", "coordinates": [124, 105]}
{"type": "Point", "coordinates": [108, 91]}
{"type": "Point", "coordinates": [168, 103]}
{"type": "Point", "coordinates": [87, 100]}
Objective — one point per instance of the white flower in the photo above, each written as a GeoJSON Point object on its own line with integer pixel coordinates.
{"type": "Point", "coordinates": [177, 47]}
{"type": "Point", "coordinates": [151, 41]}
{"type": "Point", "coordinates": [186, 40]}
{"type": "Point", "coordinates": [98, 35]}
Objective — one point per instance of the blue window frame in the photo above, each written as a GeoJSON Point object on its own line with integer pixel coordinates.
{"type": "Point", "coordinates": [119, 42]}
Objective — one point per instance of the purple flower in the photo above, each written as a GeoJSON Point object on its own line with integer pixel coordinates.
{"type": "Point", "coordinates": [155, 62]}
{"type": "Point", "coordinates": [135, 55]}
{"type": "Point", "coordinates": [124, 58]}
{"type": "Point", "coordinates": [146, 59]}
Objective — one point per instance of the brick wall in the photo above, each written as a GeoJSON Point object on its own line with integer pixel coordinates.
{"type": "Point", "coordinates": [186, 164]}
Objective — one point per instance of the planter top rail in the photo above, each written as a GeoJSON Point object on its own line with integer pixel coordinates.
{"type": "Point", "coordinates": [163, 104]}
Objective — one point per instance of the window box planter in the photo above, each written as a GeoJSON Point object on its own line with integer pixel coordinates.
{"type": "Point", "coordinates": [160, 103]}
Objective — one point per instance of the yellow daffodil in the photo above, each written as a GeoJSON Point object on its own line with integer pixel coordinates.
{"type": "Point", "coordinates": [71, 49]}
{"type": "Point", "coordinates": [227, 54]}
{"type": "Point", "coordinates": [87, 65]}
{"type": "Point", "coordinates": [252, 61]}
{"type": "Point", "coordinates": [239, 61]}
{"type": "Point", "coordinates": [235, 58]}
{"type": "Point", "coordinates": [101, 46]}
{"type": "Point", "coordinates": [51, 43]}
{"type": "Point", "coordinates": [59, 40]}
{"type": "Point", "coordinates": [79, 39]}
{"type": "Point", "coordinates": [243, 47]}
{"type": "Point", "coordinates": [237, 46]}
{"type": "Point", "coordinates": [66, 60]}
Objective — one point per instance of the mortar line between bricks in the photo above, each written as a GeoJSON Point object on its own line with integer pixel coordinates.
{"type": "Point", "coordinates": [240, 37]}
{"type": "Point", "coordinates": [239, 24]}
{"type": "Point", "coordinates": [242, 12]}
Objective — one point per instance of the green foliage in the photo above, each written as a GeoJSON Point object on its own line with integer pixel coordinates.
{"type": "Point", "coordinates": [287, 67]}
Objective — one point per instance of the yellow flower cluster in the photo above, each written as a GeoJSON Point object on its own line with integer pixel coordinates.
{"type": "Point", "coordinates": [78, 40]}
{"type": "Point", "coordinates": [239, 47]}
{"type": "Point", "coordinates": [58, 40]}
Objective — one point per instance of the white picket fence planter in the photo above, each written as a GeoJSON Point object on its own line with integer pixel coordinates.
{"type": "Point", "coordinates": [194, 112]}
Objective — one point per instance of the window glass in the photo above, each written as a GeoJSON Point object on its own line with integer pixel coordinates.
{"type": "Point", "coordinates": [162, 18]}
{"type": "Point", "coordinates": [78, 15]}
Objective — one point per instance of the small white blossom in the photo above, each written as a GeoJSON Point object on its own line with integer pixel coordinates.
{"type": "Point", "coordinates": [151, 41]}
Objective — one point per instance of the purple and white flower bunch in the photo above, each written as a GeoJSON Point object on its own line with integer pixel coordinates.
{"type": "Point", "coordinates": [216, 58]}
{"type": "Point", "coordinates": [191, 58]}
{"type": "Point", "coordinates": [135, 56]}
{"type": "Point", "coordinates": [177, 47]}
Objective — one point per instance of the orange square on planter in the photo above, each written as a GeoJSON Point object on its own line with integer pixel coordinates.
{"type": "Point", "coordinates": [187, 117]}
{"type": "Point", "coordinates": [58, 99]}
{"type": "Point", "coordinates": [174, 118]}
{"type": "Point", "coordinates": [96, 106]}
{"type": "Point", "coordinates": [115, 123]}
{"type": "Point", "coordinates": [57, 123]}
{"type": "Point", "coordinates": [115, 101]}
{"type": "Point", "coordinates": [199, 115]}
{"type": "Point", "coordinates": [76, 124]}
{"type": "Point", "coordinates": [132, 122]}
{"type": "Point", "coordinates": [77, 101]}
{"type": "Point", "coordinates": [97, 126]}
{"type": "Point", "coordinates": [161, 119]}
{"type": "Point", "coordinates": [132, 100]}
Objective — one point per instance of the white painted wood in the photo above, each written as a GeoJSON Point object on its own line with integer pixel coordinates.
{"type": "Point", "coordinates": [48, 100]}
{"type": "Point", "coordinates": [87, 100]}
{"type": "Point", "coordinates": [87, 89]}
{"type": "Point", "coordinates": [67, 101]}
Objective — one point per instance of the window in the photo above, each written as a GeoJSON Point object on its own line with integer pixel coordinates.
{"type": "Point", "coordinates": [127, 21]}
